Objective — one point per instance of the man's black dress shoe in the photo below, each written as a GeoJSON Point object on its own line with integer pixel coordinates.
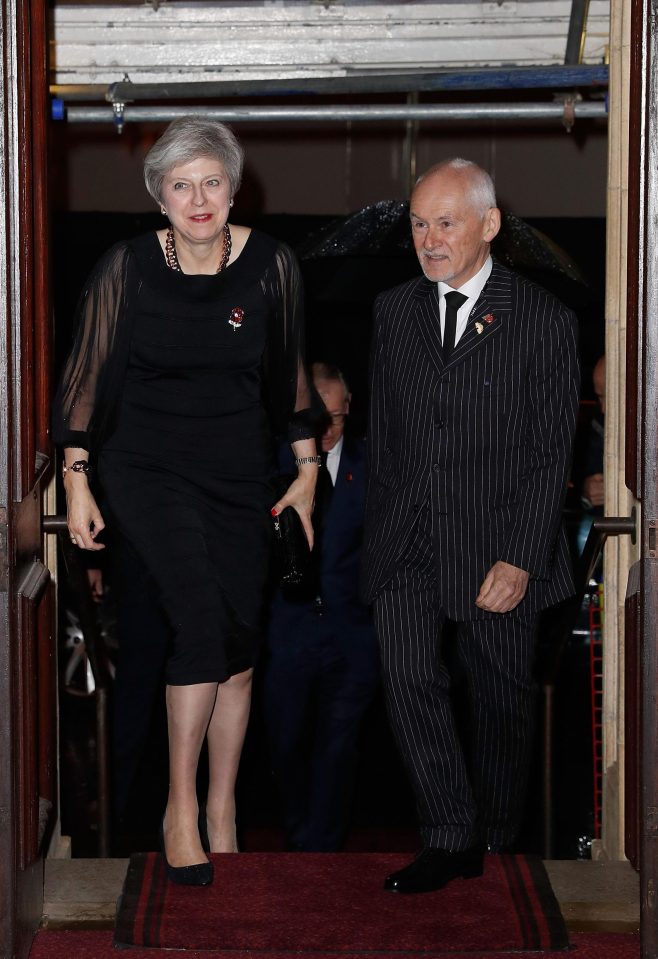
{"type": "Point", "coordinates": [497, 849]}
{"type": "Point", "coordinates": [199, 874]}
{"type": "Point", "coordinates": [435, 868]}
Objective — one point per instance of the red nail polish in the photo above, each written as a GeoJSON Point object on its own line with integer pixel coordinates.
{"type": "Point", "coordinates": [273, 511]}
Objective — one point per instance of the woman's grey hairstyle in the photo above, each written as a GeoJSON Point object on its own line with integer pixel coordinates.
{"type": "Point", "coordinates": [187, 139]}
{"type": "Point", "coordinates": [481, 187]}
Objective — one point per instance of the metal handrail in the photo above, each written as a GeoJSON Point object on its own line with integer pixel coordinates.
{"type": "Point", "coordinates": [98, 661]}
{"type": "Point", "coordinates": [602, 528]}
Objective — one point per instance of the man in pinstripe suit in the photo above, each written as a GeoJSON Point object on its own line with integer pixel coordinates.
{"type": "Point", "coordinates": [473, 409]}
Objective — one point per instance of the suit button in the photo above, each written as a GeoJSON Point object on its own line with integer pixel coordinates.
{"type": "Point", "coordinates": [436, 467]}
{"type": "Point", "coordinates": [439, 424]}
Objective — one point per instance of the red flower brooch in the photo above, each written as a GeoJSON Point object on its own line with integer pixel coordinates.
{"type": "Point", "coordinates": [479, 327]}
{"type": "Point", "coordinates": [236, 317]}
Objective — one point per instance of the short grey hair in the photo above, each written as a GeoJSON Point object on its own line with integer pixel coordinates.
{"type": "Point", "coordinates": [321, 370]}
{"type": "Point", "coordinates": [481, 186]}
{"type": "Point", "coordinates": [187, 139]}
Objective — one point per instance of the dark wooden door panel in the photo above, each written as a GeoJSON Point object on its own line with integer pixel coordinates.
{"type": "Point", "coordinates": [643, 327]}
{"type": "Point", "coordinates": [632, 716]}
{"type": "Point", "coordinates": [27, 651]}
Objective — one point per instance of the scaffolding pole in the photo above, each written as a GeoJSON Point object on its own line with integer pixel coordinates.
{"type": "Point", "coordinates": [564, 110]}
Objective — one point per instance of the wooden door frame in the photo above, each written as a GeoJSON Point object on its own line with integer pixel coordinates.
{"type": "Point", "coordinates": [27, 700]}
{"type": "Point", "coordinates": [642, 424]}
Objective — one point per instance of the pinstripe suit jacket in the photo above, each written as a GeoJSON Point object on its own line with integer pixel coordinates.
{"type": "Point", "coordinates": [485, 439]}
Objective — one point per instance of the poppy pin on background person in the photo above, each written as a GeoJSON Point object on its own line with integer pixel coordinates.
{"type": "Point", "coordinates": [236, 317]}
{"type": "Point", "coordinates": [349, 477]}
{"type": "Point", "coordinates": [489, 318]}
{"type": "Point", "coordinates": [479, 327]}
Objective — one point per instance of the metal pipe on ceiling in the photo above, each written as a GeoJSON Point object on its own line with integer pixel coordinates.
{"type": "Point", "coordinates": [576, 33]}
{"type": "Point", "coordinates": [119, 113]}
{"type": "Point", "coordinates": [550, 76]}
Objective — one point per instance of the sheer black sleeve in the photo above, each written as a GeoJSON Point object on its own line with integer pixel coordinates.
{"type": "Point", "coordinates": [294, 406]}
{"type": "Point", "coordinates": [89, 390]}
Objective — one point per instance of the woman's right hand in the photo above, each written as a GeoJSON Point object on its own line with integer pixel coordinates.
{"type": "Point", "coordinates": [83, 516]}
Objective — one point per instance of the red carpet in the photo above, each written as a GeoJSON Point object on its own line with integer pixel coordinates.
{"type": "Point", "coordinates": [98, 945]}
{"type": "Point", "coordinates": [334, 903]}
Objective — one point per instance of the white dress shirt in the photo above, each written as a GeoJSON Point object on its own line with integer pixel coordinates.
{"type": "Point", "coordinates": [472, 290]}
{"type": "Point", "coordinates": [333, 459]}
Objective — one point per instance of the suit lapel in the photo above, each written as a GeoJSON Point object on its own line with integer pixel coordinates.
{"type": "Point", "coordinates": [488, 316]}
{"type": "Point", "coordinates": [339, 500]}
{"type": "Point", "coordinates": [427, 320]}
{"type": "Point", "coordinates": [486, 320]}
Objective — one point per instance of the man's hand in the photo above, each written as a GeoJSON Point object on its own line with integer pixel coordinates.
{"type": "Point", "coordinates": [503, 588]}
{"type": "Point", "coordinates": [593, 489]}
{"type": "Point", "coordinates": [95, 580]}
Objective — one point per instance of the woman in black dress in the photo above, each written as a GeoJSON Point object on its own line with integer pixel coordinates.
{"type": "Point", "coordinates": [188, 361]}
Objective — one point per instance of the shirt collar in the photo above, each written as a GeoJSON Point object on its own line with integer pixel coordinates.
{"type": "Point", "coordinates": [334, 452]}
{"type": "Point", "coordinates": [473, 287]}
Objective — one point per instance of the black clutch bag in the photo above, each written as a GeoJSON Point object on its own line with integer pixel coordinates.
{"type": "Point", "coordinates": [292, 557]}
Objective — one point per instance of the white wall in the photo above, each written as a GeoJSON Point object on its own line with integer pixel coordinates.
{"type": "Point", "coordinates": [237, 41]}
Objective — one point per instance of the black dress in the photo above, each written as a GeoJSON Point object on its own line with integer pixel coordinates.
{"type": "Point", "coordinates": [186, 458]}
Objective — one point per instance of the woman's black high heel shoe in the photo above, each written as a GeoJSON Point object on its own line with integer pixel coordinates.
{"type": "Point", "coordinates": [200, 874]}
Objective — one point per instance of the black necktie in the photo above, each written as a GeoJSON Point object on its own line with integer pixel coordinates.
{"type": "Point", "coordinates": [453, 301]}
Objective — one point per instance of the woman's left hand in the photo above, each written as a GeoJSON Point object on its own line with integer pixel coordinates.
{"type": "Point", "coordinates": [300, 496]}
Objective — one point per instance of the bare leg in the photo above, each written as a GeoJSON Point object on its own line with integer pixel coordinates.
{"type": "Point", "coordinates": [189, 709]}
{"type": "Point", "coordinates": [226, 733]}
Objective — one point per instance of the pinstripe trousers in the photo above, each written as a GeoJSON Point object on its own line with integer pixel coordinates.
{"type": "Point", "coordinates": [459, 803]}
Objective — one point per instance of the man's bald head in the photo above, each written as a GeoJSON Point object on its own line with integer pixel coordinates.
{"type": "Point", "coordinates": [478, 184]}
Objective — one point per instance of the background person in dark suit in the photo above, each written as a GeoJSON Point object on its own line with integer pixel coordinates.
{"type": "Point", "coordinates": [474, 380]}
{"type": "Point", "coordinates": [593, 495]}
{"type": "Point", "coordinates": [588, 463]}
{"type": "Point", "coordinates": [323, 668]}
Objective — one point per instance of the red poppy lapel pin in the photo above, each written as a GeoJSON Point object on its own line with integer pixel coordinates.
{"type": "Point", "coordinates": [236, 317]}
{"type": "Point", "coordinates": [349, 477]}
{"type": "Point", "coordinates": [479, 326]}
